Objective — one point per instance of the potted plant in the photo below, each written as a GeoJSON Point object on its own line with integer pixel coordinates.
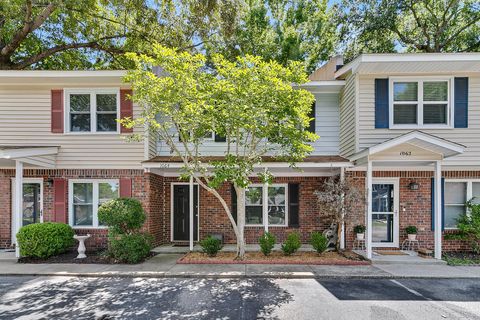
{"type": "Point", "coordinates": [360, 231]}
{"type": "Point", "coordinates": [411, 232]}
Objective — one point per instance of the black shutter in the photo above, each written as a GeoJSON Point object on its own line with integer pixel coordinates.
{"type": "Point", "coordinates": [293, 205]}
{"type": "Point", "coordinates": [233, 194]}
{"type": "Point", "coordinates": [433, 204]}
{"type": "Point", "coordinates": [219, 138]}
{"type": "Point", "coordinates": [381, 103]}
{"type": "Point", "coordinates": [311, 127]}
{"type": "Point", "coordinates": [461, 103]}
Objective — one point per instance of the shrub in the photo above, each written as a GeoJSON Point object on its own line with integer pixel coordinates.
{"type": "Point", "coordinates": [292, 244]}
{"type": "Point", "coordinates": [130, 248]}
{"type": "Point", "coordinates": [211, 246]}
{"type": "Point", "coordinates": [469, 226]}
{"type": "Point", "coordinates": [411, 230]}
{"type": "Point", "coordinates": [43, 240]}
{"type": "Point", "coordinates": [319, 242]}
{"type": "Point", "coordinates": [122, 215]}
{"type": "Point", "coordinates": [267, 242]}
{"type": "Point", "coordinates": [359, 228]}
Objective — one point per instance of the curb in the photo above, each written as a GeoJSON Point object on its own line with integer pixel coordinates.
{"type": "Point", "coordinates": [161, 275]}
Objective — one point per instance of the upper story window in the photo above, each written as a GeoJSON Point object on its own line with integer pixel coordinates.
{"type": "Point", "coordinates": [424, 103]}
{"type": "Point", "coordinates": [92, 110]}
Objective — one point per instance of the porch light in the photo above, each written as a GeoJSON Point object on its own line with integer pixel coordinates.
{"type": "Point", "coordinates": [414, 186]}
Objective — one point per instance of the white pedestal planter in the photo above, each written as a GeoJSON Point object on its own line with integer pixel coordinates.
{"type": "Point", "coordinates": [81, 245]}
{"type": "Point", "coordinates": [412, 237]}
{"type": "Point", "coordinates": [360, 236]}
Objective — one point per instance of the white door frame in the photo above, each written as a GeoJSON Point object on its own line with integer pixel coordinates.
{"type": "Point", "coordinates": [172, 184]}
{"type": "Point", "coordinates": [396, 207]}
{"type": "Point", "coordinates": [16, 215]}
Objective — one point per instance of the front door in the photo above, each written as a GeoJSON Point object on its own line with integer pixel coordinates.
{"type": "Point", "coordinates": [181, 214]}
{"type": "Point", "coordinates": [385, 213]}
{"type": "Point", "coordinates": [32, 204]}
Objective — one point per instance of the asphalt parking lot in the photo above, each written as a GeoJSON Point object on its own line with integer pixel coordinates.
{"type": "Point", "coordinates": [259, 298]}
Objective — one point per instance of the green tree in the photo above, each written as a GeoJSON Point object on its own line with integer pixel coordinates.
{"type": "Point", "coordinates": [280, 30]}
{"type": "Point", "coordinates": [94, 34]}
{"type": "Point", "coordinates": [250, 102]}
{"type": "Point", "coordinates": [411, 25]}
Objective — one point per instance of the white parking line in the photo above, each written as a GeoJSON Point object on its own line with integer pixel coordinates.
{"type": "Point", "coordinates": [415, 292]}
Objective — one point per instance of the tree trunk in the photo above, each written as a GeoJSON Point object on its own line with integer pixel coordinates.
{"type": "Point", "coordinates": [240, 222]}
{"type": "Point", "coordinates": [237, 227]}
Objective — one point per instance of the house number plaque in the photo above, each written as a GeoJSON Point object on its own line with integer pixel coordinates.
{"type": "Point", "coordinates": [406, 153]}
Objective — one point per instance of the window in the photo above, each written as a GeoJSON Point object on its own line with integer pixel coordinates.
{"type": "Point", "coordinates": [90, 110]}
{"type": "Point", "coordinates": [85, 197]}
{"type": "Point", "coordinates": [457, 193]}
{"type": "Point", "coordinates": [420, 103]}
{"type": "Point", "coordinates": [261, 205]}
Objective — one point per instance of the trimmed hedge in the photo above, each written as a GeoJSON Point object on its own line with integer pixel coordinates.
{"type": "Point", "coordinates": [130, 248]}
{"type": "Point", "coordinates": [122, 215]}
{"type": "Point", "coordinates": [43, 240]}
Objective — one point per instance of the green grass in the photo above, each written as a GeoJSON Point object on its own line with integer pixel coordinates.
{"type": "Point", "coordinates": [456, 261]}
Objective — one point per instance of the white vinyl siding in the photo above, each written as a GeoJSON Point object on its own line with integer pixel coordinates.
{"type": "Point", "coordinates": [25, 120]}
{"type": "Point", "coordinates": [348, 121]}
{"type": "Point", "coordinates": [326, 126]}
{"type": "Point", "coordinates": [469, 137]}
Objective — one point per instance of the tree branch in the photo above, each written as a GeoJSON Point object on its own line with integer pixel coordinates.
{"type": "Point", "coordinates": [92, 44]}
{"type": "Point", "coordinates": [28, 27]}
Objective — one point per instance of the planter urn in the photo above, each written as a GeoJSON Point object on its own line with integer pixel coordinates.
{"type": "Point", "coordinates": [412, 237]}
{"type": "Point", "coordinates": [360, 236]}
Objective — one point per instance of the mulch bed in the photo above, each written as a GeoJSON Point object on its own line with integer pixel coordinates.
{"type": "Point", "coordinates": [304, 258]}
{"type": "Point", "coordinates": [95, 257]}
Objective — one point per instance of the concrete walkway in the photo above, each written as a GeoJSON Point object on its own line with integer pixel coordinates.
{"type": "Point", "coordinates": [165, 266]}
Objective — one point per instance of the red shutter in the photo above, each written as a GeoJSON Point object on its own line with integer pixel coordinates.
{"type": "Point", "coordinates": [57, 111]}
{"type": "Point", "coordinates": [59, 200]}
{"type": "Point", "coordinates": [125, 187]}
{"type": "Point", "coordinates": [126, 108]}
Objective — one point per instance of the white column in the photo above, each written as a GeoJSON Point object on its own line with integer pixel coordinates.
{"type": "Point", "coordinates": [191, 207]}
{"type": "Point", "coordinates": [265, 206]}
{"type": "Point", "coordinates": [18, 202]}
{"type": "Point", "coordinates": [369, 209]}
{"type": "Point", "coordinates": [342, 231]}
{"type": "Point", "coordinates": [438, 210]}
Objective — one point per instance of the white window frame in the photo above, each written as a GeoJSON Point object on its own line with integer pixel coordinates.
{"type": "Point", "coordinates": [95, 201]}
{"type": "Point", "coordinates": [420, 103]}
{"type": "Point", "coordinates": [265, 205]}
{"type": "Point", "coordinates": [469, 194]}
{"type": "Point", "coordinates": [93, 109]}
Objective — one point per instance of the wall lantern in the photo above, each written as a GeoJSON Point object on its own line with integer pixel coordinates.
{"type": "Point", "coordinates": [414, 186]}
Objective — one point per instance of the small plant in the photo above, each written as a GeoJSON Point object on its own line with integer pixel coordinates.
{"type": "Point", "coordinates": [267, 242]}
{"type": "Point", "coordinates": [292, 244]}
{"type": "Point", "coordinates": [411, 230]}
{"type": "Point", "coordinates": [359, 228]}
{"type": "Point", "coordinates": [130, 248]}
{"type": "Point", "coordinates": [319, 242]}
{"type": "Point", "coordinates": [469, 226]}
{"type": "Point", "coordinates": [43, 240]}
{"type": "Point", "coordinates": [211, 246]}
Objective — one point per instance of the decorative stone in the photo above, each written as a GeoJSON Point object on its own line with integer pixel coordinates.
{"type": "Point", "coordinates": [81, 245]}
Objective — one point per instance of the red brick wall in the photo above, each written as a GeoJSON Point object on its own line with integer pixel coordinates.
{"type": "Point", "coordinates": [213, 218]}
{"type": "Point", "coordinates": [145, 187]}
{"type": "Point", "coordinates": [415, 206]}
